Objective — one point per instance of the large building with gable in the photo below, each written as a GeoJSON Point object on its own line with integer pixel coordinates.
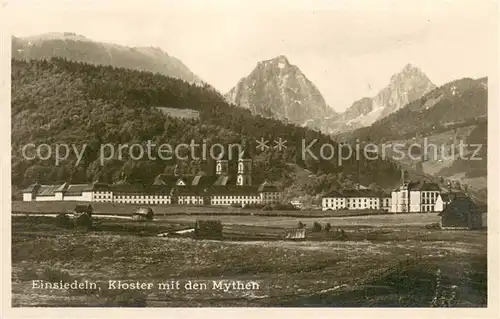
{"type": "Point", "coordinates": [355, 199]}
{"type": "Point", "coordinates": [224, 188]}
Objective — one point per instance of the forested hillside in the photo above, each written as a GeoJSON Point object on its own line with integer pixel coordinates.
{"type": "Point", "coordinates": [58, 101]}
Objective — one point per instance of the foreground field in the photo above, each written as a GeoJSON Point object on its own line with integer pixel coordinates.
{"type": "Point", "coordinates": [291, 222]}
{"type": "Point", "coordinates": [398, 268]}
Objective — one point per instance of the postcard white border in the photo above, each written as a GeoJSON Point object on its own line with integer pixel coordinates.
{"type": "Point", "coordinates": [5, 195]}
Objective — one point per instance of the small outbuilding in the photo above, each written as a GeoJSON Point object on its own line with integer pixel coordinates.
{"type": "Point", "coordinates": [143, 214]}
{"type": "Point", "coordinates": [296, 234]}
{"type": "Point", "coordinates": [461, 213]}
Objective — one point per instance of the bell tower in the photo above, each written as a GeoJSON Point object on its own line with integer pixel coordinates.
{"type": "Point", "coordinates": [221, 167]}
{"type": "Point", "coordinates": [244, 177]}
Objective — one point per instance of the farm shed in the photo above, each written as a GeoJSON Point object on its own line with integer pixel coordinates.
{"type": "Point", "coordinates": [461, 213]}
{"type": "Point", "coordinates": [143, 214]}
{"type": "Point", "coordinates": [296, 234]}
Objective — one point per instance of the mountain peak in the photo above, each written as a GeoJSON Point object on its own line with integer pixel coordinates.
{"type": "Point", "coordinates": [409, 71]}
{"type": "Point", "coordinates": [278, 89]}
{"type": "Point", "coordinates": [280, 61]}
{"type": "Point", "coordinates": [410, 67]}
{"type": "Point", "coordinates": [281, 58]}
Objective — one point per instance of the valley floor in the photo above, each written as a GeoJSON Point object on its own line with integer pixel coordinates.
{"type": "Point", "coordinates": [390, 265]}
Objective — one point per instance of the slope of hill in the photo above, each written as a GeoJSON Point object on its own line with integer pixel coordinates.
{"type": "Point", "coordinates": [278, 89]}
{"type": "Point", "coordinates": [59, 101]}
{"type": "Point", "coordinates": [76, 47]}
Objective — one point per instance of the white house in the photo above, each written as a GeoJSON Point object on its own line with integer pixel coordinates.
{"type": "Point", "coordinates": [415, 197]}
{"type": "Point", "coordinates": [355, 199]}
{"type": "Point", "coordinates": [269, 194]}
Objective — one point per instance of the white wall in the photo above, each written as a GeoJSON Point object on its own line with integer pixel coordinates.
{"type": "Point", "coordinates": [439, 205]}
{"type": "Point", "coordinates": [394, 202]}
{"type": "Point", "coordinates": [46, 198]}
{"type": "Point", "coordinates": [415, 199]}
{"type": "Point", "coordinates": [27, 197]}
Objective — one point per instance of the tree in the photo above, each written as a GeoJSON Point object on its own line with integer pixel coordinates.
{"type": "Point", "coordinates": [316, 227]}
{"type": "Point", "coordinates": [328, 227]}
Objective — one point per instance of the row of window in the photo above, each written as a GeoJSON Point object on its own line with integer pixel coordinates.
{"type": "Point", "coordinates": [235, 197]}
{"type": "Point", "coordinates": [428, 200]}
{"type": "Point", "coordinates": [141, 196]}
{"type": "Point", "coordinates": [430, 194]}
{"type": "Point", "coordinates": [428, 208]}
{"type": "Point", "coordinates": [129, 201]}
{"type": "Point", "coordinates": [191, 201]}
{"type": "Point", "coordinates": [228, 202]}
{"type": "Point", "coordinates": [352, 201]}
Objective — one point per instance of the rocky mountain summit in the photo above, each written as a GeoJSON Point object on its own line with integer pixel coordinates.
{"type": "Point", "coordinates": [278, 89]}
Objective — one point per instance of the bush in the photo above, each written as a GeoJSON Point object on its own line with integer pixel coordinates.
{"type": "Point", "coordinates": [267, 207]}
{"type": "Point", "coordinates": [208, 229]}
{"type": "Point", "coordinates": [84, 221]}
{"type": "Point", "coordinates": [316, 227]}
{"type": "Point", "coordinates": [300, 225]}
{"type": "Point", "coordinates": [63, 220]}
{"type": "Point", "coordinates": [328, 227]}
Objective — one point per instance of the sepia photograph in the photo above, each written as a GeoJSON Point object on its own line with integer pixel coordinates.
{"type": "Point", "coordinates": [312, 154]}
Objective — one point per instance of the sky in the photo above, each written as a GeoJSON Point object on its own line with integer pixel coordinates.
{"type": "Point", "coordinates": [348, 49]}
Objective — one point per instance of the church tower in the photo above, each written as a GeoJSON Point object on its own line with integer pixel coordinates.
{"type": "Point", "coordinates": [222, 167]}
{"type": "Point", "coordinates": [244, 176]}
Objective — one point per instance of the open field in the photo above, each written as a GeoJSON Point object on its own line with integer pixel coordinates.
{"type": "Point", "coordinates": [392, 220]}
{"type": "Point", "coordinates": [20, 207]}
{"type": "Point", "coordinates": [375, 266]}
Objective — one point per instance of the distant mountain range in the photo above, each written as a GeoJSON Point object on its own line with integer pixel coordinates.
{"type": "Point", "coordinates": [274, 89]}
{"type": "Point", "coordinates": [76, 47]}
{"type": "Point", "coordinates": [404, 87]}
{"type": "Point", "coordinates": [453, 104]}
{"type": "Point", "coordinates": [453, 113]}
{"type": "Point", "coordinates": [278, 89]}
